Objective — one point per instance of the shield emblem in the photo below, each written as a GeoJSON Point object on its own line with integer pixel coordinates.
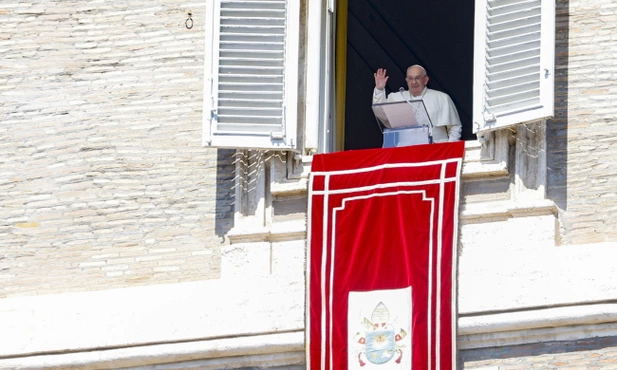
{"type": "Point", "coordinates": [380, 346]}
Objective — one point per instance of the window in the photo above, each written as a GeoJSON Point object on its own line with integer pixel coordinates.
{"type": "Point", "coordinates": [250, 78]}
{"type": "Point", "coordinates": [251, 70]}
{"type": "Point", "coordinates": [513, 62]}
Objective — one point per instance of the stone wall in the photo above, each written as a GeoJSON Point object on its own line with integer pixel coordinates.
{"type": "Point", "coordinates": [104, 184]}
{"type": "Point", "coordinates": [588, 354]}
{"type": "Point", "coordinates": [103, 179]}
{"type": "Point", "coordinates": [582, 163]}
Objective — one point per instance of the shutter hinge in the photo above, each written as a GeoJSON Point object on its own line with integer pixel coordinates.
{"type": "Point", "coordinates": [213, 115]}
{"type": "Point", "coordinates": [489, 117]}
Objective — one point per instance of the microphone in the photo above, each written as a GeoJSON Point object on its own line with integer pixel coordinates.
{"type": "Point", "coordinates": [401, 89]}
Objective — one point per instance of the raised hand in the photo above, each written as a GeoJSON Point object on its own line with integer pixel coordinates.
{"type": "Point", "coordinates": [380, 79]}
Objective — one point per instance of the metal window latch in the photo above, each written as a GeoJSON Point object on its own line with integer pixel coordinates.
{"type": "Point", "coordinates": [331, 6]}
{"type": "Point", "coordinates": [483, 140]}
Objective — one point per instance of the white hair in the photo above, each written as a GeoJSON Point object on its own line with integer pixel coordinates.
{"type": "Point", "coordinates": [418, 66]}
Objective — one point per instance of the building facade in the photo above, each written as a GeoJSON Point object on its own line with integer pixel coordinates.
{"type": "Point", "coordinates": [129, 240]}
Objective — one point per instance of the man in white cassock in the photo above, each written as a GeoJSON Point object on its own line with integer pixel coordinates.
{"type": "Point", "coordinates": [441, 110]}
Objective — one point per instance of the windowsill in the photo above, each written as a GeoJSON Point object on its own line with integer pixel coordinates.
{"type": "Point", "coordinates": [481, 160]}
{"type": "Point", "coordinates": [502, 210]}
{"type": "Point", "coordinates": [278, 232]}
{"type": "Point", "coordinates": [486, 159]}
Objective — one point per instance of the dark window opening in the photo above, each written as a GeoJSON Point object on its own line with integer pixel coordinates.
{"type": "Point", "coordinates": [394, 34]}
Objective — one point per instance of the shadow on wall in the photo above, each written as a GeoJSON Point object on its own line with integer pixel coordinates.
{"type": "Point", "coordinates": [557, 128]}
{"type": "Point", "coordinates": [225, 192]}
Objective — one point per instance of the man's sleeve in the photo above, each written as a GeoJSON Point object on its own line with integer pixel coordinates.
{"type": "Point", "coordinates": [379, 96]}
{"type": "Point", "coordinates": [454, 132]}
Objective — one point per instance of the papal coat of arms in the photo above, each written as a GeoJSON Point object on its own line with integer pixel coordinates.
{"type": "Point", "coordinates": [381, 342]}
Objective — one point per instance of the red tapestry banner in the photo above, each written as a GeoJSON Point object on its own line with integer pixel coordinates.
{"type": "Point", "coordinates": [382, 258]}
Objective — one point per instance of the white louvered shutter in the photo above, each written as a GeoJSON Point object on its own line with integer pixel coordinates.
{"type": "Point", "coordinates": [513, 62]}
{"type": "Point", "coordinates": [251, 67]}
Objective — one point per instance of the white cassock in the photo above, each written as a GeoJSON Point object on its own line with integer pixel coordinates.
{"type": "Point", "coordinates": [440, 108]}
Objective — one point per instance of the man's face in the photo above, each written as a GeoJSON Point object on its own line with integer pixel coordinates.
{"type": "Point", "coordinates": [416, 80]}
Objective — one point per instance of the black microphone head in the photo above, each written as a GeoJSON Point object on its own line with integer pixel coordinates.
{"type": "Point", "coordinates": [401, 89]}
